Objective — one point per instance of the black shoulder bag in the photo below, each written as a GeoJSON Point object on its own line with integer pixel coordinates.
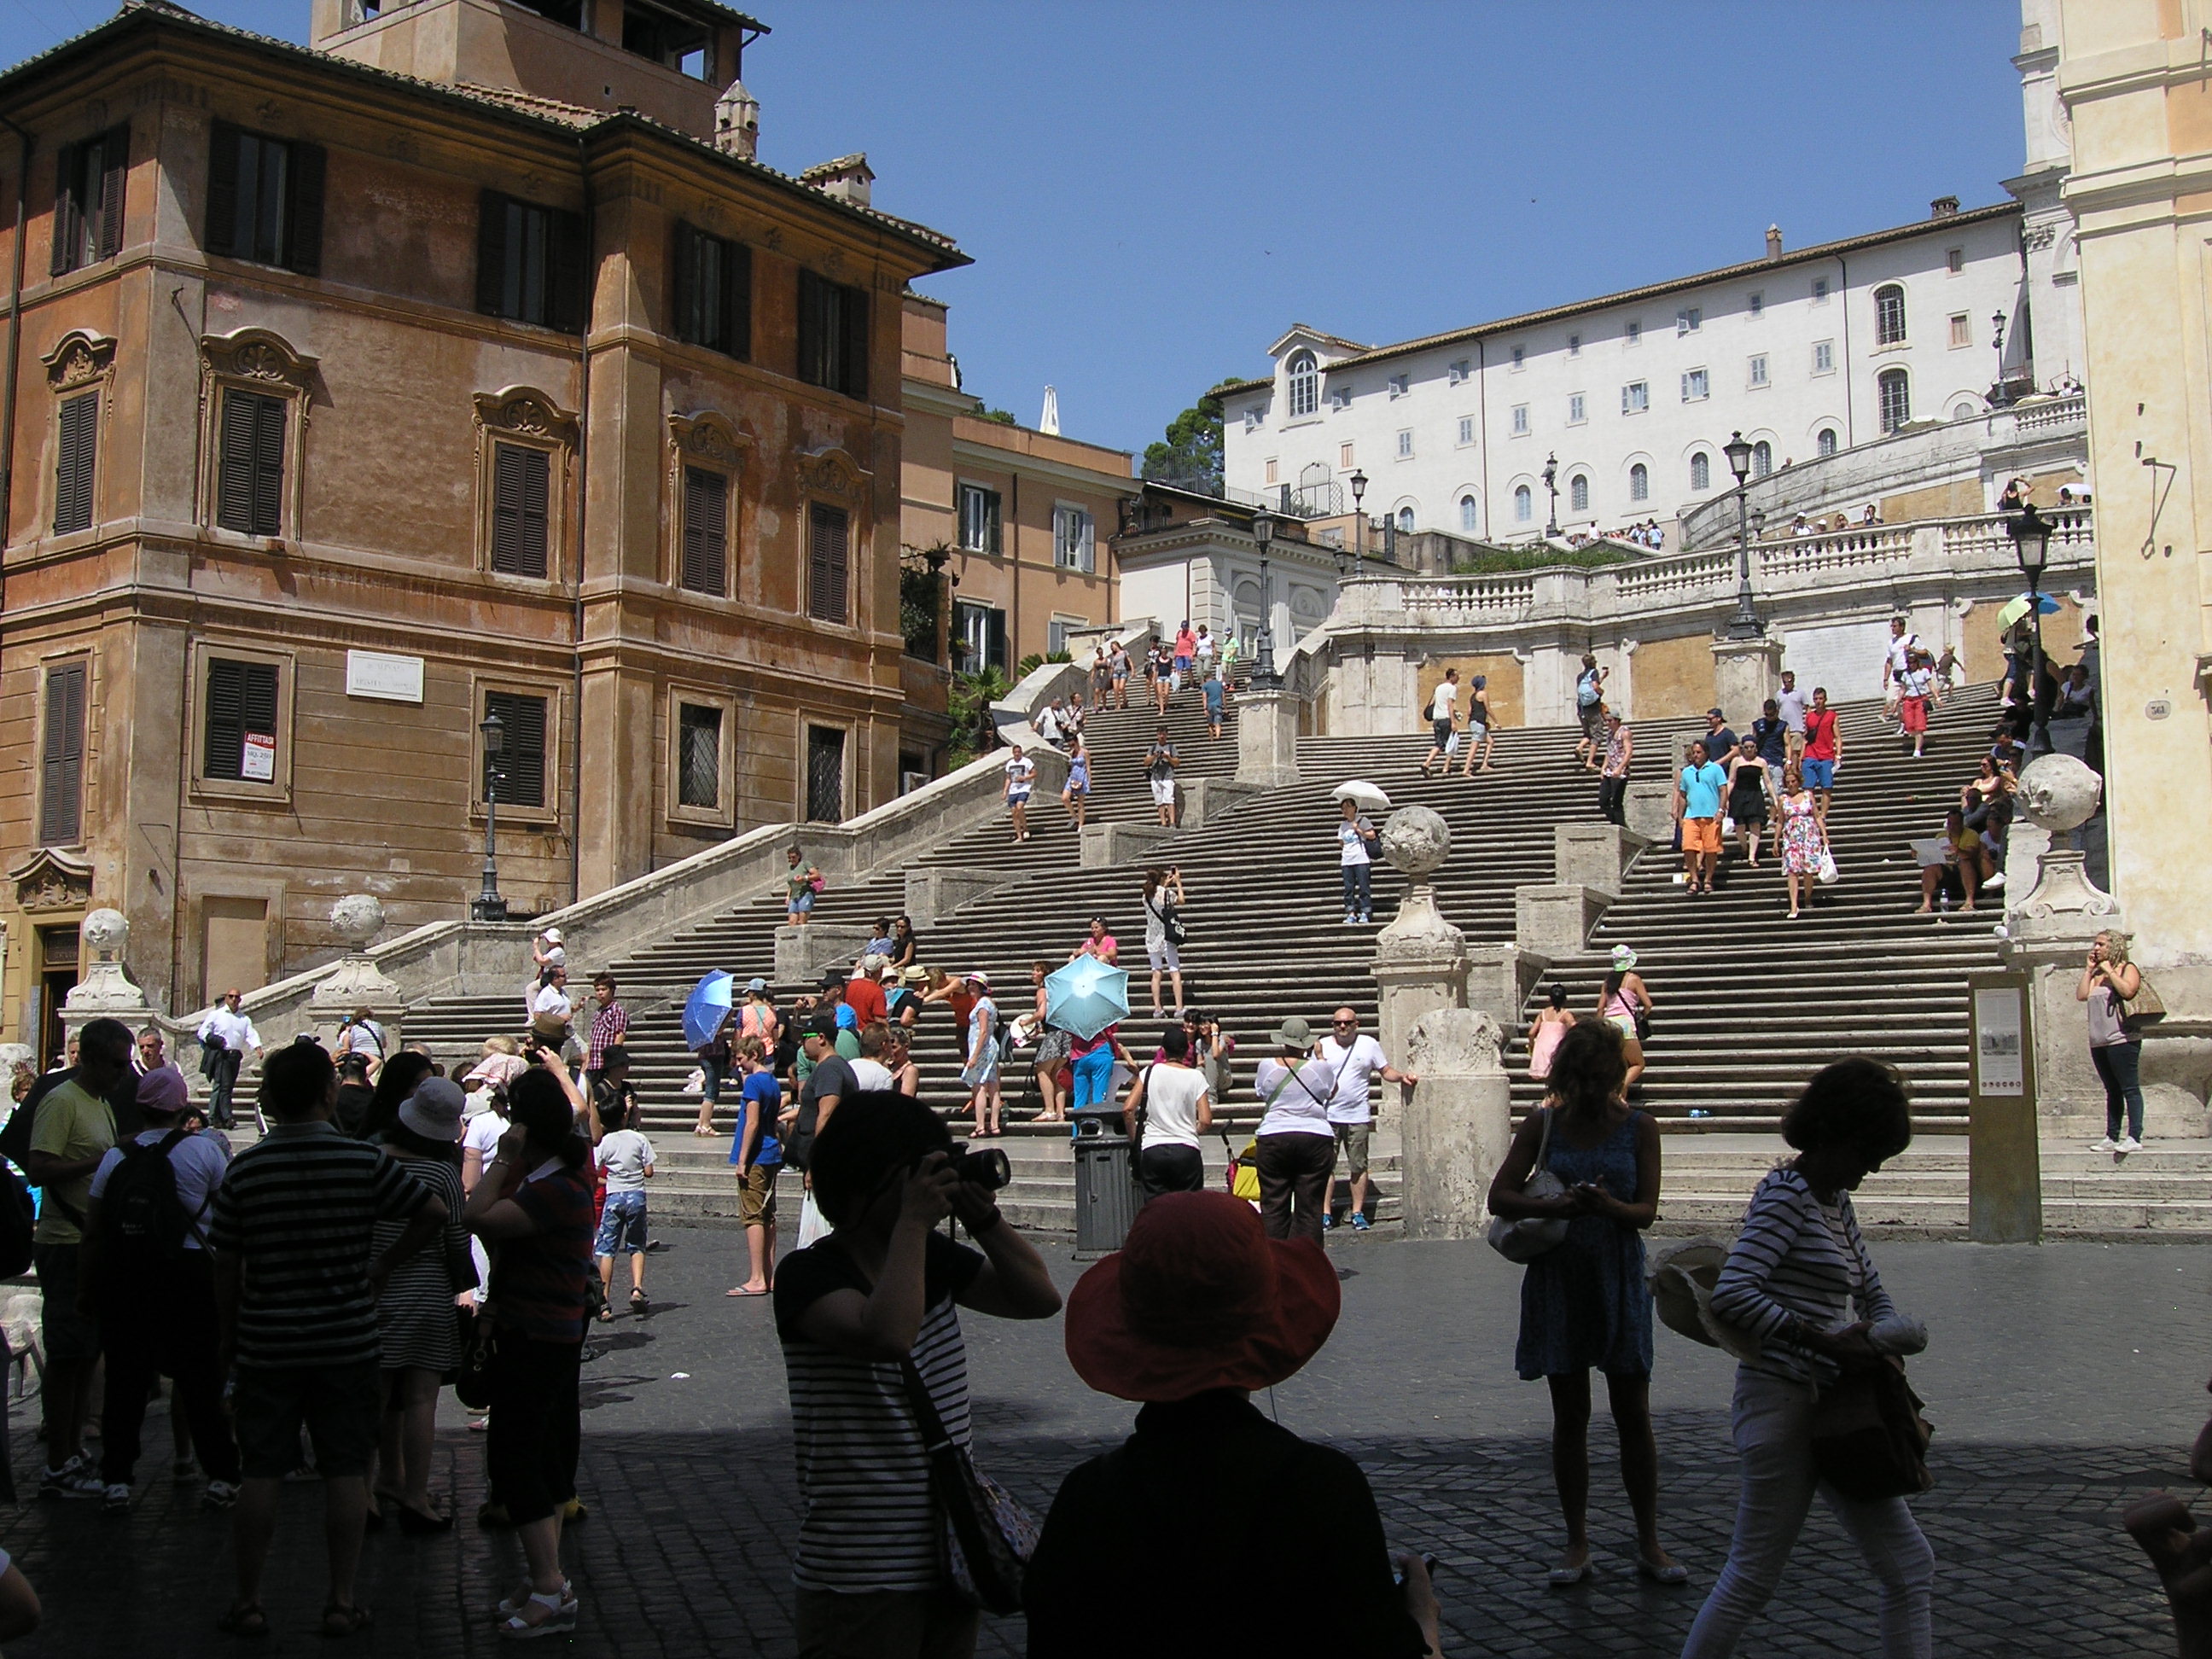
{"type": "Point", "coordinates": [988, 1536]}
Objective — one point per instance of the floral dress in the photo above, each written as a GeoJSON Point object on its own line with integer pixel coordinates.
{"type": "Point", "coordinates": [1802, 842]}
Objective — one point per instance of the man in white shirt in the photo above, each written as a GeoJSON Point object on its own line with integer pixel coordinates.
{"type": "Point", "coordinates": [1021, 778]}
{"type": "Point", "coordinates": [235, 1033]}
{"type": "Point", "coordinates": [1444, 721]}
{"type": "Point", "coordinates": [1050, 720]}
{"type": "Point", "coordinates": [1903, 643]}
{"type": "Point", "coordinates": [1353, 1059]}
{"type": "Point", "coordinates": [869, 1070]}
{"type": "Point", "coordinates": [551, 1013]}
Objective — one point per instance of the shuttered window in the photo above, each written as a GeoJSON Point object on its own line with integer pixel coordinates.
{"type": "Point", "coordinates": [698, 756]}
{"type": "Point", "coordinates": [706, 531]}
{"type": "Point", "coordinates": [79, 443]}
{"type": "Point", "coordinates": [265, 200]}
{"type": "Point", "coordinates": [89, 199]}
{"type": "Point", "coordinates": [827, 534]}
{"type": "Point", "coordinates": [61, 758]}
{"type": "Point", "coordinates": [249, 463]}
{"type": "Point", "coordinates": [521, 487]}
{"type": "Point", "coordinates": [521, 761]}
{"type": "Point", "coordinates": [529, 263]}
{"type": "Point", "coordinates": [711, 292]}
{"type": "Point", "coordinates": [833, 335]}
{"type": "Point", "coordinates": [242, 701]}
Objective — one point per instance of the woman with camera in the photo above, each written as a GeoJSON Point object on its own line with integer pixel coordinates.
{"type": "Point", "coordinates": [1163, 902]}
{"type": "Point", "coordinates": [2109, 982]}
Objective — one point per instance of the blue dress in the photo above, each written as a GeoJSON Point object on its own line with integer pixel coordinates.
{"type": "Point", "coordinates": [1584, 1302]}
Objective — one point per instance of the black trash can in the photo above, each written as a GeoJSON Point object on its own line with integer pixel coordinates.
{"type": "Point", "coordinates": [1106, 1195]}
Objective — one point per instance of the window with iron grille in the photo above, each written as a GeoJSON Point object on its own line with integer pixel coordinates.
{"type": "Point", "coordinates": [1762, 459]}
{"type": "Point", "coordinates": [250, 463]}
{"type": "Point", "coordinates": [1895, 390]}
{"type": "Point", "coordinates": [1524, 504]}
{"type": "Point", "coordinates": [520, 762]}
{"type": "Point", "coordinates": [828, 533]}
{"type": "Point", "coordinates": [265, 200]}
{"type": "Point", "coordinates": [61, 758]}
{"type": "Point", "coordinates": [242, 701]}
{"type": "Point", "coordinates": [706, 531]}
{"type": "Point", "coordinates": [1889, 315]}
{"type": "Point", "coordinates": [1701, 471]}
{"type": "Point", "coordinates": [833, 335]}
{"type": "Point", "coordinates": [698, 756]}
{"type": "Point", "coordinates": [1074, 545]}
{"type": "Point", "coordinates": [825, 774]}
{"type": "Point", "coordinates": [1827, 442]}
{"type": "Point", "coordinates": [979, 520]}
{"type": "Point", "coordinates": [79, 443]}
{"type": "Point", "coordinates": [1639, 483]}
{"type": "Point", "coordinates": [521, 491]}
{"type": "Point", "coordinates": [529, 263]}
{"type": "Point", "coordinates": [1578, 493]}
{"type": "Point", "coordinates": [88, 200]}
{"type": "Point", "coordinates": [711, 292]}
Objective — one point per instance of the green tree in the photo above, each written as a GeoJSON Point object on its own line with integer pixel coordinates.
{"type": "Point", "coordinates": [969, 704]}
{"type": "Point", "coordinates": [1190, 454]}
{"type": "Point", "coordinates": [1002, 416]}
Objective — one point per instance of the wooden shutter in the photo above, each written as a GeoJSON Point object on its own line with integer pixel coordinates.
{"type": "Point", "coordinates": [706, 531]}
{"type": "Point", "coordinates": [241, 697]}
{"type": "Point", "coordinates": [269, 415]}
{"type": "Point", "coordinates": [303, 212]}
{"type": "Point", "coordinates": [813, 328]}
{"type": "Point", "coordinates": [522, 485]}
{"type": "Point", "coordinates": [61, 768]}
{"type": "Point", "coordinates": [522, 759]}
{"type": "Point", "coordinates": [492, 253]}
{"type": "Point", "coordinates": [854, 383]}
{"type": "Point", "coordinates": [683, 291]}
{"type": "Point", "coordinates": [826, 559]}
{"type": "Point", "coordinates": [566, 260]}
{"type": "Point", "coordinates": [69, 208]}
{"type": "Point", "coordinates": [115, 161]}
{"type": "Point", "coordinates": [738, 300]}
{"type": "Point", "coordinates": [223, 190]}
{"type": "Point", "coordinates": [233, 508]}
{"type": "Point", "coordinates": [79, 443]}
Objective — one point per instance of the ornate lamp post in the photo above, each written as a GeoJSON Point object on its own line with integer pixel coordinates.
{"type": "Point", "coordinates": [2031, 543]}
{"type": "Point", "coordinates": [1744, 624]}
{"type": "Point", "coordinates": [1263, 661]}
{"type": "Point", "coordinates": [1552, 483]}
{"type": "Point", "coordinates": [1359, 522]}
{"type": "Point", "coordinates": [1998, 396]}
{"type": "Point", "coordinates": [489, 905]}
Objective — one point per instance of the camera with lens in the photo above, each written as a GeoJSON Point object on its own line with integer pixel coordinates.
{"type": "Point", "coordinates": [982, 1166]}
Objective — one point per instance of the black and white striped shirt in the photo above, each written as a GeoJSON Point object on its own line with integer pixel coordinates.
{"type": "Point", "coordinates": [867, 1520]}
{"type": "Point", "coordinates": [1794, 1259]}
{"type": "Point", "coordinates": [297, 1211]}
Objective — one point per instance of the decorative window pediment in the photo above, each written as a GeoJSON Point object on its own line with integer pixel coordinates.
{"type": "Point", "coordinates": [835, 474]}
{"type": "Point", "coordinates": [525, 411]}
{"type": "Point", "coordinates": [79, 358]}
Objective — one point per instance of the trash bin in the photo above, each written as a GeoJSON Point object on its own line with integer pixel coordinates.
{"type": "Point", "coordinates": [1105, 1181]}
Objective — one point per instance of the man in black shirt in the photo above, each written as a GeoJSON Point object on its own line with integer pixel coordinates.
{"type": "Point", "coordinates": [831, 1080]}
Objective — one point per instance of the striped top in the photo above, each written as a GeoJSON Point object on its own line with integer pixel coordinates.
{"type": "Point", "coordinates": [297, 1211]}
{"type": "Point", "coordinates": [868, 1523]}
{"type": "Point", "coordinates": [1797, 1256]}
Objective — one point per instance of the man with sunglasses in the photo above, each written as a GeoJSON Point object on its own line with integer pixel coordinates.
{"type": "Point", "coordinates": [1353, 1059]}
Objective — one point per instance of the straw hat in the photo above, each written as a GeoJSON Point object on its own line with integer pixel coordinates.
{"type": "Point", "coordinates": [1682, 1281]}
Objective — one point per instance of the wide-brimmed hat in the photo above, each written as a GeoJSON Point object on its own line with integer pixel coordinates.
{"type": "Point", "coordinates": [434, 1111]}
{"type": "Point", "coordinates": [917, 975]}
{"type": "Point", "coordinates": [1682, 1281]}
{"type": "Point", "coordinates": [553, 935]}
{"type": "Point", "coordinates": [977, 976]}
{"type": "Point", "coordinates": [1294, 1033]}
{"type": "Point", "coordinates": [1199, 1298]}
{"type": "Point", "coordinates": [1623, 958]}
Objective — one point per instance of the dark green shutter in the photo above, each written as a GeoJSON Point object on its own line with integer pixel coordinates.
{"type": "Point", "coordinates": [567, 259]}
{"type": "Point", "coordinates": [827, 529]}
{"type": "Point", "coordinates": [61, 761]}
{"type": "Point", "coordinates": [706, 531]}
{"type": "Point", "coordinates": [522, 756]}
{"type": "Point", "coordinates": [69, 208]}
{"type": "Point", "coordinates": [303, 238]}
{"type": "Point", "coordinates": [269, 466]}
{"type": "Point", "coordinates": [80, 442]}
{"type": "Point", "coordinates": [223, 190]}
{"type": "Point", "coordinates": [855, 380]}
{"type": "Point", "coordinates": [115, 161]}
{"type": "Point", "coordinates": [738, 299]}
{"type": "Point", "coordinates": [682, 288]}
{"type": "Point", "coordinates": [492, 252]}
{"type": "Point", "coordinates": [521, 481]}
{"type": "Point", "coordinates": [241, 697]}
{"type": "Point", "coordinates": [813, 329]}
{"type": "Point", "coordinates": [234, 507]}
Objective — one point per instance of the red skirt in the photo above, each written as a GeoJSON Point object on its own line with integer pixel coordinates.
{"type": "Point", "coordinates": [1913, 711]}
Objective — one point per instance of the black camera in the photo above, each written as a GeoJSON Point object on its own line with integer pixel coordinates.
{"type": "Point", "coordinates": [986, 1166]}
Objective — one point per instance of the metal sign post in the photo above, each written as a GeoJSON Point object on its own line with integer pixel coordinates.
{"type": "Point", "coordinates": [2004, 1168]}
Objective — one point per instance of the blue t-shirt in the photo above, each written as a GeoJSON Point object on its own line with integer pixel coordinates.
{"type": "Point", "coordinates": [1213, 696]}
{"type": "Point", "coordinates": [1701, 791]}
{"type": "Point", "coordinates": [761, 1087]}
{"type": "Point", "coordinates": [846, 1019]}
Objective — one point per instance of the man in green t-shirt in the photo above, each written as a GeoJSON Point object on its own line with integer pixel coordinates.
{"type": "Point", "coordinates": [74, 1129]}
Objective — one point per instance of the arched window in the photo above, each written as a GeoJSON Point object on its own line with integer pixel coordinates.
{"type": "Point", "coordinates": [1889, 315]}
{"type": "Point", "coordinates": [1639, 483]}
{"type": "Point", "coordinates": [1578, 493]}
{"type": "Point", "coordinates": [1524, 504]}
{"type": "Point", "coordinates": [1762, 459]}
{"type": "Point", "coordinates": [1895, 387]}
{"type": "Point", "coordinates": [1825, 441]}
{"type": "Point", "coordinates": [1963, 410]}
{"type": "Point", "coordinates": [1405, 520]}
{"type": "Point", "coordinates": [1701, 471]}
{"type": "Point", "coordinates": [1306, 384]}
{"type": "Point", "coordinates": [1470, 515]}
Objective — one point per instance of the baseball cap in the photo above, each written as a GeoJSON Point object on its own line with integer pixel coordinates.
{"type": "Point", "coordinates": [1714, 714]}
{"type": "Point", "coordinates": [755, 985]}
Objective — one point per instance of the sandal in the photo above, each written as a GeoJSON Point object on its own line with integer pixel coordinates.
{"type": "Point", "coordinates": [340, 1621]}
{"type": "Point", "coordinates": [639, 1300]}
{"type": "Point", "coordinates": [245, 1620]}
{"type": "Point", "coordinates": [510, 1605]}
{"type": "Point", "coordinates": [560, 1618]}
{"type": "Point", "coordinates": [606, 1313]}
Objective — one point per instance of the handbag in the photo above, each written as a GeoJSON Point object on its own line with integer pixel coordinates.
{"type": "Point", "coordinates": [2145, 1008]}
{"type": "Point", "coordinates": [1829, 874]}
{"type": "Point", "coordinates": [989, 1536]}
{"type": "Point", "coordinates": [479, 1341]}
{"type": "Point", "coordinates": [1869, 1439]}
{"type": "Point", "coordinates": [1523, 1238]}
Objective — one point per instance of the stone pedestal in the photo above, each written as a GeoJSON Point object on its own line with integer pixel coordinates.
{"type": "Point", "coordinates": [933, 895]}
{"type": "Point", "coordinates": [1457, 1125]}
{"type": "Point", "coordinates": [1420, 959]}
{"type": "Point", "coordinates": [1649, 808]}
{"type": "Point", "coordinates": [1500, 978]}
{"type": "Point", "coordinates": [1268, 738]}
{"type": "Point", "coordinates": [2177, 1077]}
{"type": "Point", "coordinates": [1555, 918]}
{"type": "Point", "coordinates": [357, 982]}
{"type": "Point", "coordinates": [801, 953]}
{"type": "Point", "coordinates": [105, 990]}
{"type": "Point", "coordinates": [1594, 854]}
{"type": "Point", "coordinates": [1208, 801]}
{"type": "Point", "coordinates": [1104, 845]}
{"type": "Point", "coordinates": [1746, 673]}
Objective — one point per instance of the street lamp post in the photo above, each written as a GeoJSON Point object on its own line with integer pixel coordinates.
{"type": "Point", "coordinates": [1998, 396]}
{"type": "Point", "coordinates": [1744, 624]}
{"type": "Point", "coordinates": [1358, 523]}
{"type": "Point", "coordinates": [2031, 543]}
{"type": "Point", "coordinates": [489, 905]}
{"type": "Point", "coordinates": [1263, 661]}
{"type": "Point", "coordinates": [1552, 483]}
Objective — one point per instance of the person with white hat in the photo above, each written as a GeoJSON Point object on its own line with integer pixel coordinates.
{"type": "Point", "coordinates": [1624, 1002]}
{"type": "Point", "coordinates": [980, 1065]}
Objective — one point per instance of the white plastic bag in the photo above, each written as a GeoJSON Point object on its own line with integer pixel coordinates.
{"type": "Point", "coordinates": [1727, 827]}
{"type": "Point", "coordinates": [1828, 871]}
{"type": "Point", "coordinates": [811, 1226]}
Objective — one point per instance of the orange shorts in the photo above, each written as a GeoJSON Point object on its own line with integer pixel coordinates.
{"type": "Point", "coordinates": [1701, 834]}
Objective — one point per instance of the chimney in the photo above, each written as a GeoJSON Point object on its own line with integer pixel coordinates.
{"type": "Point", "coordinates": [847, 178]}
{"type": "Point", "coordinates": [737, 121]}
{"type": "Point", "coordinates": [1774, 241]}
{"type": "Point", "coordinates": [1942, 207]}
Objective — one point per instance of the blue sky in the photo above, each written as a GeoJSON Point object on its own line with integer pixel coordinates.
{"type": "Point", "coordinates": [1152, 192]}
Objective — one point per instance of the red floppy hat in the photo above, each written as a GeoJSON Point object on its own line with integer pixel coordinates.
{"type": "Point", "coordinates": [1199, 1298]}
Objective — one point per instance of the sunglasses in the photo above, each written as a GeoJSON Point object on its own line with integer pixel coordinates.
{"type": "Point", "coordinates": [1344, 1022]}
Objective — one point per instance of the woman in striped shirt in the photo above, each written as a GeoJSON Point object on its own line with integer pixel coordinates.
{"type": "Point", "coordinates": [1797, 1272]}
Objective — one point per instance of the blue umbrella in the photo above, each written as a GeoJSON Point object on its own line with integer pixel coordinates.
{"type": "Point", "coordinates": [705, 1008]}
{"type": "Point", "coordinates": [1086, 996]}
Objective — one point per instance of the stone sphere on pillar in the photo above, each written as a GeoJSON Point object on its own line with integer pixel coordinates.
{"type": "Point", "coordinates": [2057, 792]}
{"type": "Point", "coordinates": [357, 917]}
{"type": "Point", "coordinates": [106, 932]}
{"type": "Point", "coordinates": [1417, 840]}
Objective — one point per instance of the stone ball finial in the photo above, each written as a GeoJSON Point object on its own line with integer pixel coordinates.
{"type": "Point", "coordinates": [1417, 840]}
{"type": "Point", "coordinates": [357, 917]}
{"type": "Point", "coordinates": [2057, 792]}
{"type": "Point", "coordinates": [106, 932]}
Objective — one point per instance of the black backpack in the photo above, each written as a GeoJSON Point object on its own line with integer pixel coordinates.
{"type": "Point", "coordinates": [17, 1219]}
{"type": "Point", "coordinates": [142, 1221]}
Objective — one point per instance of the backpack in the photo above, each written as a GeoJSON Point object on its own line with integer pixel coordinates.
{"type": "Point", "coordinates": [17, 1221]}
{"type": "Point", "coordinates": [1585, 690]}
{"type": "Point", "coordinates": [142, 1218]}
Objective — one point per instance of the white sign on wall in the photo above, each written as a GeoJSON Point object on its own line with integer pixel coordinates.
{"type": "Point", "coordinates": [2000, 1061]}
{"type": "Point", "coordinates": [258, 760]}
{"type": "Point", "coordinates": [1845, 657]}
{"type": "Point", "coordinates": [383, 676]}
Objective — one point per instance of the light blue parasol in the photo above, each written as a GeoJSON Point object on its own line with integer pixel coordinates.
{"type": "Point", "coordinates": [1086, 996]}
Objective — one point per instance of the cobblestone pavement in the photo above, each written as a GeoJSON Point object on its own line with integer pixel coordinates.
{"type": "Point", "coordinates": [2063, 1381]}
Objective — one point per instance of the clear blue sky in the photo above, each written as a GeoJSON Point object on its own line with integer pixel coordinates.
{"type": "Point", "coordinates": [1152, 192]}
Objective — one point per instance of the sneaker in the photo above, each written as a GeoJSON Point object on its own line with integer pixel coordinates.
{"type": "Point", "coordinates": [2129, 1143]}
{"type": "Point", "coordinates": [2105, 1144]}
{"type": "Point", "coordinates": [1351, 920]}
{"type": "Point", "coordinates": [1360, 1223]}
{"type": "Point", "coordinates": [73, 1479]}
{"type": "Point", "coordinates": [218, 1495]}
{"type": "Point", "coordinates": [117, 1500]}
{"type": "Point", "coordinates": [1329, 1221]}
